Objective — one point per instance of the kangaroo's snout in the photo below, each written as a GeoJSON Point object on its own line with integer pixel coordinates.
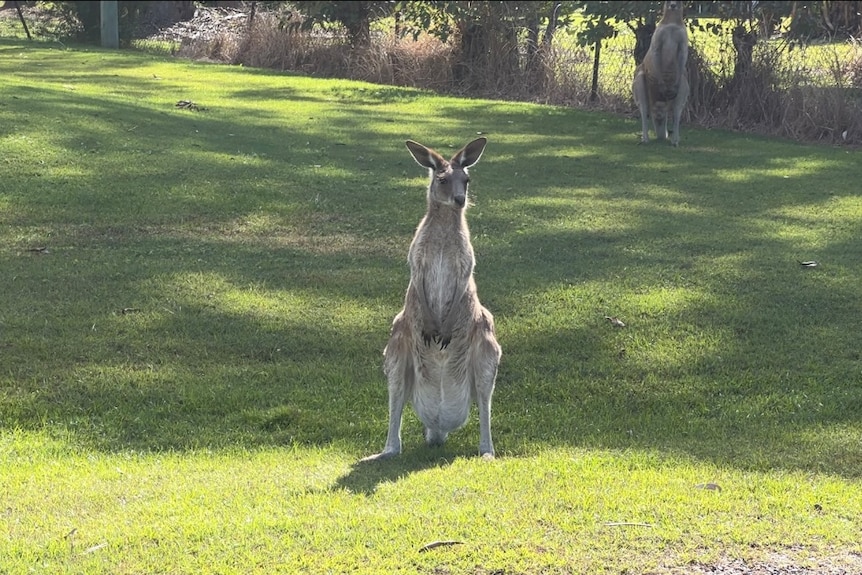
{"type": "Point", "coordinates": [460, 199]}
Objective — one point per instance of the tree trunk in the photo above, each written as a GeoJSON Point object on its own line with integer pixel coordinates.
{"type": "Point", "coordinates": [23, 22]}
{"type": "Point", "coordinates": [643, 36]}
{"type": "Point", "coordinates": [743, 42]}
{"type": "Point", "coordinates": [473, 42]}
{"type": "Point", "coordinates": [359, 30]}
{"type": "Point", "coordinates": [594, 87]}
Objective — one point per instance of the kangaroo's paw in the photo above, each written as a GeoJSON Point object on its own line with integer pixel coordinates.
{"type": "Point", "coordinates": [428, 337]}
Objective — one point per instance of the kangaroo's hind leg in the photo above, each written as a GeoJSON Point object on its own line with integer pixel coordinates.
{"type": "Point", "coordinates": [639, 89]}
{"type": "Point", "coordinates": [659, 118]}
{"type": "Point", "coordinates": [399, 365]}
{"type": "Point", "coordinates": [485, 355]}
{"type": "Point", "coordinates": [678, 106]}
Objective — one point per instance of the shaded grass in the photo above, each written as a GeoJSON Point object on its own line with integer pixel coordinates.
{"type": "Point", "coordinates": [190, 367]}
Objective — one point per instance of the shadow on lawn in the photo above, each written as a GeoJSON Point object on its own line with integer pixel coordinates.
{"type": "Point", "coordinates": [365, 477]}
{"type": "Point", "coordinates": [264, 259]}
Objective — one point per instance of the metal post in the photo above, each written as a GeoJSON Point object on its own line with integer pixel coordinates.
{"type": "Point", "coordinates": [110, 24]}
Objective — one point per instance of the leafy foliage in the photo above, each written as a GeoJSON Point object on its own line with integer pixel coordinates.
{"type": "Point", "coordinates": [355, 17]}
{"type": "Point", "coordinates": [600, 18]}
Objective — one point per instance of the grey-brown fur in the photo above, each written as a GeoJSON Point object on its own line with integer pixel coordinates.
{"type": "Point", "coordinates": [442, 352]}
{"type": "Point", "coordinates": [660, 85]}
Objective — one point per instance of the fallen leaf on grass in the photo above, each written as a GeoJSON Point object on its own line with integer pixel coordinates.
{"type": "Point", "coordinates": [39, 250]}
{"type": "Point", "coordinates": [617, 322]}
{"type": "Point", "coordinates": [710, 486]}
{"type": "Point", "coordinates": [809, 264]}
{"type": "Point", "coordinates": [189, 105]}
{"type": "Point", "coordinates": [436, 544]}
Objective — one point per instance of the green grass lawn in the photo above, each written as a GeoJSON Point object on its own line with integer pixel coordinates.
{"type": "Point", "coordinates": [195, 302]}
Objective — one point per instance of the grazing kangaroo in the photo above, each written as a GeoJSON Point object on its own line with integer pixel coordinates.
{"type": "Point", "coordinates": [442, 353]}
{"type": "Point", "coordinates": [660, 85]}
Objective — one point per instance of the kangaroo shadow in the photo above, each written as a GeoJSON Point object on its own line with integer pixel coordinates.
{"type": "Point", "coordinates": [365, 476]}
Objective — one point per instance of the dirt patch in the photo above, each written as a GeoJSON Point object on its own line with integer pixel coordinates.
{"type": "Point", "coordinates": [778, 564]}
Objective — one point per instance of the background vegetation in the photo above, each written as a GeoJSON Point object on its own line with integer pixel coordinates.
{"type": "Point", "coordinates": [784, 68]}
{"type": "Point", "coordinates": [195, 301]}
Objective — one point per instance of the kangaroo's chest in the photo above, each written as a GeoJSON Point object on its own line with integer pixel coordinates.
{"type": "Point", "coordinates": [443, 269]}
{"type": "Point", "coordinates": [442, 276]}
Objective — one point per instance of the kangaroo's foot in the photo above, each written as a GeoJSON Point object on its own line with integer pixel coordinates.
{"type": "Point", "coordinates": [382, 456]}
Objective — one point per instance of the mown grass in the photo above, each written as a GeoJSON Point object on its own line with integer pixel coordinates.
{"type": "Point", "coordinates": [195, 304]}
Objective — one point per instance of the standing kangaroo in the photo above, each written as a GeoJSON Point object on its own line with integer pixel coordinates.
{"type": "Point", "coordinates": [442, 352]}
{"type": "Point", "coordinates": [660, 85]}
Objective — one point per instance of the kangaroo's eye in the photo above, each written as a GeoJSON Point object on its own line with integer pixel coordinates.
{"type": "Point", "coordinates": [443, 181]}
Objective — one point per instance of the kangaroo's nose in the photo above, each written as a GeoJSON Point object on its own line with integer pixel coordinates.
{"type": "Point", "coordinates": [460, 200]}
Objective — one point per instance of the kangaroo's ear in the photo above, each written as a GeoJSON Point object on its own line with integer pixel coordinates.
{"type": "Point", "coordinates": [470, 154]}
{"type": "Point", "coordinates": [425, 157]}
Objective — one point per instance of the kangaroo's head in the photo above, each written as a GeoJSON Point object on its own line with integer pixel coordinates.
{"type": "Point", "coordinates": [449, 179]}
{"type": "Point", "coordinates": [672, 10]}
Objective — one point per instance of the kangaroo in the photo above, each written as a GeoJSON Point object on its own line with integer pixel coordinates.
{"type": "Point", "coordinates": [660, 85]}
{"type": "Point", "coordinates": [442, 352]}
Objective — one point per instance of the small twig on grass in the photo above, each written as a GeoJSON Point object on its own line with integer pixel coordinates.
{"type": "Point", "coordinates": [70, 537]}
{"type": "Point", "coordinates": [436, 544]}
{"type": "Point", "coordinates": [94, 548]}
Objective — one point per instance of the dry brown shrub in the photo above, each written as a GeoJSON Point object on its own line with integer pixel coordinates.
{"type": "Point", "coordinates": [796, 97]}
{"type": "Point", "coordinates": [704, 90]}
{"type": "Point", "coordinates": [271, 44]}
{"type": "Point", "coordinates": [220, 47]}
{"type": "Point", "coordinates": [751, 99]}
{"type": "Point", "coordinates": [826, 105]}
{"type": "Point", "coordinates": [494, 70]}
{"type": "Point", "coordinates": [425, 63]}
{"type": "Point", "coordinates": [822, 114]}
{"type": "Point", "coordinates": [566, 79]}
